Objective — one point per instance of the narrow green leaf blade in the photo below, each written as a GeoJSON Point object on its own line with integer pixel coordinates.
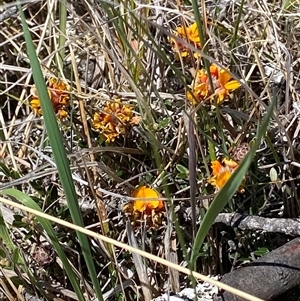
{"type": "Point", "coordinates": [59, 154]}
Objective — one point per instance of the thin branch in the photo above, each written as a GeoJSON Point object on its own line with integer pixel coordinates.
{"type": "Point", "coordinates": [285, 226]}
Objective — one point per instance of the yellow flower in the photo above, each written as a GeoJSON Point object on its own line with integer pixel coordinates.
{"type": "Point", "coordinates": [222, 84]}
{"type": "Point", "coordinates": [148, 200]}
{"type": "Point", "coordinates": [147, 207]}
{"type": "Point", "coordinates": [191, 35]}
{"type": "Point", "coordinates": [222, 172]}
{"type": "Point", "coordinates": [113, 119]}
{"type": "Point", "coordinates": [190, 32]}
{"type": "Point", "coordinates": [59, 96]}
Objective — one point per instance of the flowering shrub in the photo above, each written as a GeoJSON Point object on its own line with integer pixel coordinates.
{"type": "Point", "coordinates": [147, 207]}
{"type": "Point", "coordinates": [59, 95]}
{"type": "Point", "coordinates": [222, 85]}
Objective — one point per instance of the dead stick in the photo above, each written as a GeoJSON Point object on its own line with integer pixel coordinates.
{"type": "Point", "coordinates": [269, 276]}
{"type": "Point", "coordinates": [287, 226]}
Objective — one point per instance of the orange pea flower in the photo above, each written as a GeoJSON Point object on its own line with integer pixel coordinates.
{"type": "Point", "coordinates": [113, 119]}
{"type": "Point", "coordinates": [191, 35]}
{"type": "Point", "coordinates": [222, 84]}
{"type": "Point", "coordinates": [147, 207]}
{"type": "Point", "coordinates": [59, 95]}
{"type": "Point", "coordinates": [222, 172]}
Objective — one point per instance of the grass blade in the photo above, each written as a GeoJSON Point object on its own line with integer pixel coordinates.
{"type": "Point", "coordinates": [59, 154]}
{"type": "Point", "coordinates": [62, 36]}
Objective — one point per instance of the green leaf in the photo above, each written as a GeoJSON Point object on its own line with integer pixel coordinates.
{"type": "Point", "coordinates": [62, 35]}
{"type": "Point", "coordinates": [14, 174]}
{"type": "Point", "coordinates": [16, 256]}
{"type": "Point", "coordinates": [2, 253]}
{"type": "Point", "coordinates": [5, 169]}
{"type": "Point", "coordinates": [182, 169]}
{"type": "Point", "coordinates": [163, 123]}
{"type": "Point", "coordinates": [261, 251]}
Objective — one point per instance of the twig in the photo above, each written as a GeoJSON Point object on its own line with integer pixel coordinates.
{"type": "Point", "coordinates": [10, 12]}
{"type": "Point", "coordinates": [286, 226]}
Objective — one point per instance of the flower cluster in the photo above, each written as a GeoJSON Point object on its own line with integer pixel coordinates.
{"type": "Point", "coordinates": [191, 35]}
{"type": "Point", "coordinates": [222, 172]}
{"type": "Point", "coordinates": [59, 95]}
{"type": "Point", "coordinates": [201, 89]}
{"type": "Point", "coordinates": [113, 119]}
{"type": "Point", "coordinates": [147, 207]}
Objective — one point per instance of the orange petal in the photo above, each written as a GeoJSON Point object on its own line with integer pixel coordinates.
{"type": "Point", "coordinates": [180, 30]}
{"type": "Point", "coordinates": [214, 70]}
{"type": "Point", "coordinates": [97, 121]}
{"type": "Point", "coordinates": [212, 181]}
{"type": "Point", "coordinates": [196, 40]}
{"type": "Point", "coordinates": [127, 111]}
{"type": "Point", "coordinates": [232, 85]}
{"type": "Point", "coordinates": [224, 77]}
{"type": "Point", "coordinates": [197, 55]}
{"type": "Point", "coordinates": [139, 206]}
{"type": "Point", "coordinates": [64, 99]}
{"type": "Point", "coordinates": [35, 103]}
{"type": "Point", "coordinates": [184, 54]}
{"type": "Point", "coordinates": [222, 179]}
{"type": "Point", "coordinates": [193, 33]}
{"type": "Point", "coordinates": [194, 28]}
{"type": "Point", "coordinates": [204, 78]}
{"type": "Point", "coordinates": [57, 84]}
{"type": "Point", "coordinates": [201, 74]}
{"type": "Point", "coordinates": [148, 199]}
{"type": "Point", "coordinates": [191, 97]}
{"type": "Point", "coordinates": [230, 163]}
{"type": "Point", "coordinates": [62, 114]}
{"type": "Point", "coordinates": [201, 90]}
{"type": "Point", "coordinates": [222, 94]}
{"type": "Point", "coordinates": [216, 167]}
